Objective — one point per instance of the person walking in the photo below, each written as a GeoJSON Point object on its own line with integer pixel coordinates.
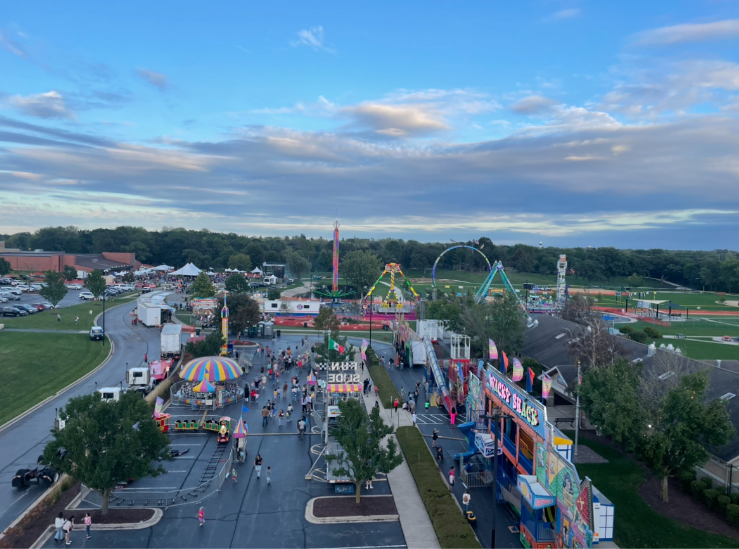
{"type": "Point", "coordinates": [453, 414]}
{"type": "Point", "coordinates": [265, 415]}
{"type": "Point", "coordinates": [289, 413]}
{"type": "Point", "coordinates": [280, 417]}
{"type": "Point", "coordinates": [77, 321]}
{"type": "Point", "coordinates": [269, 476]}
{"type": "Point", "coordinates": [434, 437]}
{"type": "Point", "coordinates": [301, 427]}
{"type": "Point", "coordinates": [284, 391]}
{"type": "Point", "coordinates": [466, 501]}
{"type": "Point", "coordinates": [58, 317]}
{"type": "Point", "coordinates": [414, 419]}
{"type": "Point", "coordinates": [258, 465]}
{"type": "Point", "coordinates": [68, 525]}
{"type": "Point", "coordinates": [395, 405]}
{"type": "Point", "coordinates": [146, 358]}
{"type": "Point", "coordinates": [88, 523]}
{"type": "Point", "coordinates": [201, 516]}
{"type": "Point", "coordinates": [59, 524]}
{"type": "Point", "coordinates": [233, 474]}
{"type": "Point", "coordinates": [451, 479]}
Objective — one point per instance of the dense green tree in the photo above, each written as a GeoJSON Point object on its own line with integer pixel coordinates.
{"type": "Point", "coordinates": [236, 283]}
{"type": "Point", "coordinates": [363, 452]}
{"type": "Point", "coordinates": [95, 282]}
{"type": "Point", "coordinates": [4, 267]}
{"type": "Point", "coordinates": [273, 294]}
{"type": "Point", "coordinates": [242, 262]}
{"type": "Point", "coordinates": [327, 320]}
{"type": "Point", "coordinates": [140, 250]}
{"type": "Point", "coordinates": [298, 265]}
{"type": "Point", "coordinates": [210, 346]}
{"type": "Point", "coordinates": [243, 312]}
{"type": "Point", "coordinates": [129, 278]}
{"type": "Point", "coordinates": [107, 442]}
{"type": "Point", "coordinates": [256, 253]}
{"type": "Point", "coordinates": [69, 273]}
{"type": "Point", "coordinates": [202, 287]}
{"type": "Point", "coordinates": [499, 319]}
{"type": "Point", "coordinates": [362, 269]}
{"type": "Point", "coordinates": [635, 280]}
{"type": "Point", "coordinates": [55, 290]}
{"type": "Point", "coordinates": [446, 309]}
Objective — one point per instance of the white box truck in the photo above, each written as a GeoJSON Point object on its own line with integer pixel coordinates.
{"type": "Point", "coordinates": [171, 341]}
{"type": "Point", "coordinates": [149, 313]}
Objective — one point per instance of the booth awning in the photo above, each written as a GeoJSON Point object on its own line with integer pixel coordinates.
{"type": "Point", "coordinates": [344, 388]}
{"type": "Point", "coordinates": [534, 493]}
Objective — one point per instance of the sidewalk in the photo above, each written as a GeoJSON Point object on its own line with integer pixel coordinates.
{"type": "Point", "coordinates": [414, 520]}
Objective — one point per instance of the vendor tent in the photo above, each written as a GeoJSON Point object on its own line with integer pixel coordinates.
{"type": "Point", "coordinates": [187, 270]}
{"type": "Point", "coordinates": [163, 268]}
{"type": "Point", "coordinates": [257, 270]}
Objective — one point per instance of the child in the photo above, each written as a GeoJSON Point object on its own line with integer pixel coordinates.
{"type": "Point", "coordinates": [201, 516]}
{"type": "Point", "coordinates": [269, 476]}
{"type": "Point", "coordinates": [233, 474]}
{"type": "Point", "coordinates": [88, 523]}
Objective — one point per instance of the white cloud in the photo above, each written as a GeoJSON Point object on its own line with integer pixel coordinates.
{"type": "Point", "coordinates": [43, 105]}
{"type": "Point", "coordinates": [12, 46]}
{"type": "Point", "coordinates": [313, 38]}
{"type": "Point", "coordinates": [694, 32]}
{"type": "Point", "coordinates": [395, 120]}
{"type": "Point", "coordinates": [563, 14]}
{"type": "Point", "coordinates": [533, 104]}
{"type": "Point", "coordinates": [156, 79]}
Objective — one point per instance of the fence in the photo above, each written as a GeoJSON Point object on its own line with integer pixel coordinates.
{"type": "Point", "coordinates": [180, 393]}
{"type": "Point", "coordinates": [132, 498]}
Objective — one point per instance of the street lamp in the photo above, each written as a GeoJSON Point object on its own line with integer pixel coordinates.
{"type": "Point", "coordinates": [370, 308]}
{"type": "Point", "coordinates": [103, 319]}
{"type": "Point", "coordinates": [496, 416]}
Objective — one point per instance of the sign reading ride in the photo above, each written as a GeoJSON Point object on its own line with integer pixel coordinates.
{"type": "Point", "coordinates": [348, 372]}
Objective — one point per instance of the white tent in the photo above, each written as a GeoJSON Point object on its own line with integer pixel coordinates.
{"type": "Point", "coordinates": [187, 270]}
{"type": "Point", "coordinates": [163, 268]}
{"type": "Point", "coordinates": [210, 273]}
{"type": "Point", "coordinates": [257, 270]}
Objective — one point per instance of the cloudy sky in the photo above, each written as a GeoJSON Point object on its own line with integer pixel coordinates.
{"type": "Point", "coordinates": [570, 122]}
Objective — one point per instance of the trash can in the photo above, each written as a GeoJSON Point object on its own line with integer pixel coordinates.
{"type": "Point", "coordinates": [197, 331]}
{"type": "Point", "coordinates": [278, 333]}
{"type": "Point", "coordinates": [305, 324]}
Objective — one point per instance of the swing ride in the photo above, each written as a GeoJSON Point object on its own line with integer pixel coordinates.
{"type": "Point", "coordinates": [335, 294]}
{"type": "Point", "coordinates": [394, 296]}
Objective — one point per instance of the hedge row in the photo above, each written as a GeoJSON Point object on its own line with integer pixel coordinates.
{"type": "Point", "coordinates": [385, 386]}
{"type": "Point", "coordinates": [451, 527]}
{"type": "Point", "coordinates": [716, 500]}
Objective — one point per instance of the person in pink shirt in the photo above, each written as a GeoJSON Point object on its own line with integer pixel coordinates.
{"type": "Point", "coordinates": [88, 523]}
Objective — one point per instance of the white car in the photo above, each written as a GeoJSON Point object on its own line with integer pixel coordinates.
{"type": "Point", "coordinates": [10, 295]}
{"type": "Point", "coordinates": [22, 287]}
{"type": "Point", "coordinates": [74, 287]}
{"type": "Point", "coordinates": [86, 296]}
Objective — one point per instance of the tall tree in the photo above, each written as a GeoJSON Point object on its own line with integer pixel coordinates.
{"type": "Point", "coordinates": [500, 319]}
{"type": "Point", "coordinates": [298, 265]}
{"type": "Point", "coordinates": [595, 345]}
{"type": "Point", "coordinates": [55, 290]}
{"type": "Point", "coordinates": [243, 311]}
{"type": "Point", "coordinates": [107, 442]}
{"type": "Point", "coordinates": [236, 283]}
{"type": "Point", "coordinates": [4, 267]}
{"type": "Point", "coordinates": [242, 262]}
{"type": "Point", "coordinates": [95, 282]}
{"type": "Point", "coordinates": [256, 253]}
{"type": "Point", "coordinates": [202, 287]}
{"type": "Point", "coordinates": [362, 453]}
{"type": "Point", "coordinates": [70, 273]}
{"type": "Point", "coordinates": [449, 310]}
{"type": "Point", "coordinates": [210, 346]}
{"type": "Point", "coordinates": [361, 268]}
{"type": "Point", "coordinates": [326, 320]}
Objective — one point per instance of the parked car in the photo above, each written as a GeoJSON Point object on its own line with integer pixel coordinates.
{"type": "Point", "coordinates": [727, 338]}
{"type": "Point", "coordinates": [12, 311]}
{"type": "Point", "coordinates": [12, 296]}
{"type": "Point", "coordinates": [28, 308]}
{"type": "Point", "coordinates": [43, 305]}
{"type": "Point", "coordinates": [96, 332]}
{"type": "Point", "coordinates": [74, 287]}
{"type": "Point", "coordinates": [86, 296]}
{"type": "Point", "coordinates": [3, 299]}
{"type": "Point", "coordinates": [15, 291]}
{"type": "Point", "coordinates": [22, 287]}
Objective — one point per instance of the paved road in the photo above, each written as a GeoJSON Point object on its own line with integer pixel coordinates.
{"type": "Point", "coordinates": [23, 442]}
{"type": "Point", "coordinates": [29, 298]}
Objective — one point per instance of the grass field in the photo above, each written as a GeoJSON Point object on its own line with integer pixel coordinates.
{"type": "Point", "coordinates": [47, 320]}
{"type": "Point", "coordinates": [637, 525]}
{"type": "Point", "coordinates": [36, 366]}
{"type": "Point", "coordinates": [696, 327]}
{"type": "Point", "coordinates": [700, 350]}
{"type": "Point", "coordinates": [706, 302]}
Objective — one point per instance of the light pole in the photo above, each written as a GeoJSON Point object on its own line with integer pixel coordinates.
{"type": "Point", "coordinates": [496, 416]}
{"type": "Point", "coordinates": [577, 407]}
{"type": "Point", "coordinates": [103, 319]}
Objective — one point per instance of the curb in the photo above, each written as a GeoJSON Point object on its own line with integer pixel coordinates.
{"type": "Point", "coordinates": [35, 503]}
{"type": "Point", "coordinates": [158, 513]}
{"type": "Point", "coordinates": [310, 517]}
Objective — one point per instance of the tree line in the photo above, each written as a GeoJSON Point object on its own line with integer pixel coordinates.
{"type": "Point", "coordinates": [716, 270]}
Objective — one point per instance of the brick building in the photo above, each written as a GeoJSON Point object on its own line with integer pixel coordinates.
{"type": "Point", "coordinates": [41, 260]}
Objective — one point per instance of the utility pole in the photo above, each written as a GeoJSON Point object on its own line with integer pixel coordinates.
{"type": "Point", "coordinates": [577, 407]}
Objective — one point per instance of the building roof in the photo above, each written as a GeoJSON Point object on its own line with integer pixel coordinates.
{"type": "Point", "coordinates": [547, 345]}
{"type": "Point", "coordinates": [98, 261]}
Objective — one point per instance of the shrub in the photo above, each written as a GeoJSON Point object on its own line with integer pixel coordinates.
{"type": "Point", "coordinates": [385, 387]}
{"type": "Point", "coordinates": [626, 330]}
{"type": "Point", "coordinates": [685, 478]}
{"type": "Point", "coordinates": [734, 498]}
{"type": "Point", "coordinates": [697, 488]}
{"type": "Point", "coordinates": [723, 501]}
{"type": "Point", "coordinates": [652, 332]}
{"type": "Point", "coordinates": [708, 481]}
{"type": "Point", "coordinates": [732, 514]}
{"type": "Point", "coordinates": [710, 496]}
{"type": "Point", "coordinates": [639, 337]}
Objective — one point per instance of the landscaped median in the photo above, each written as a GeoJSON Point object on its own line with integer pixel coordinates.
{"type": "Point", "coordinates": [382, 381]}
{"type": "Point", "coordinates": [449, 523]}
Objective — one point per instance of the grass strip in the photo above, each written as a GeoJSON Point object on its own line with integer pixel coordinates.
{"type": "Point", "coordinates": [636, 523]}
{"type": "Point", "coordinates": [385, 386]}
{"type": "Point", "coordinates": [450, 526]}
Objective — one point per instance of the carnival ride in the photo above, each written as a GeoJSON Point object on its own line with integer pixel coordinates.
{"type": "Point", "coordinates": [561, 285]}
{"type": "Point", "coordinates": [433, 270]}
{"type": "Point", "coordinates": [393, 269]}
{"type": "Point", "coordinates": [335, 294]}
{"type": "Point", "coordinates": [484, 290]}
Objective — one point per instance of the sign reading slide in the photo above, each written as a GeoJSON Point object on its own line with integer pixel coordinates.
{"type": "Point", "coordinates": [348, 372]}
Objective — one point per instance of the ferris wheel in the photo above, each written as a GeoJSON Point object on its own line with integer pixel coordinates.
{"type": "Point", "coordinates": [433, 271]}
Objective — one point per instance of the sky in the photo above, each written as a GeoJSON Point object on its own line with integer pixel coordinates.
{"type": "Point", "coordinates": [566, 122]}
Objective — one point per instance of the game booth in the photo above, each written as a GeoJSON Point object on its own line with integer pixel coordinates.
{"type": "Point", "coordinates": [536, 476]}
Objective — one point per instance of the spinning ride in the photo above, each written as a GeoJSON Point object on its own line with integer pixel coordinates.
{"type": "Point", "coordinates": [433, 271]}
{"type": "Point", "coordinates": [393, 269]}
{"type": "Point", "coordinates": [335, 294]}
{"type": "Point", "coordinates": [482, 293]}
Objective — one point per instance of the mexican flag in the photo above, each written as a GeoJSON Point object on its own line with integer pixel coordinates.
{"type": "Point", "coordinates": [335, 346]}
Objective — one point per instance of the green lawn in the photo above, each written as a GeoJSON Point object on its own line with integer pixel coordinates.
{"type": "Point", "coordinates": [695, 327]}
{"type": "Point", "coordinates": [36, 366]}
{"type": "Point", "coordinates": [185, 317]}
{"type": "Point", "coordinates": [703, 351]}
{"type": "Point", "coordinates": [637, 525]}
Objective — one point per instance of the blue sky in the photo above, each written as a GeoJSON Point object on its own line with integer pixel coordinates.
{"type": "Point", "coordinates": [570, 122]}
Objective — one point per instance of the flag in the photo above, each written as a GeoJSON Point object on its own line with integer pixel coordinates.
{"type": "Point", "coordinates": [365, 344]}
{"type": "Point", "coordinates": [546, 385]}
{"type": "Point", "coordinates": [493, 349]}
{"type": "Point", "coordinates": [503, 362]}
{"type": "Point", "coordinates": [517, 370]}
{"type": "Point", "coordinates": [335, 346]}
{"type": "Point", "coordinates": [530, 381]}
{"type": "Point", "coordinates": [158, 407]}
{"type": "Point", "coordinates": [579, 379]}
{"type": "Point", "coordinates": [244, 409]}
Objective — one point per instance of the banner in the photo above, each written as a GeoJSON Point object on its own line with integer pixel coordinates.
{"type": "Point", "coordinates": [530, 381]}
{"type": "Point", "coordinates": [517, 370]}
{"type": "Point", "coordinates": [158, 407]}
{"type": "Point", "coordinates": [546, 385]}
{"type": "Point", "coordinates": [365, 344]}
{"type": "Point", "coordinates": [503, 363]}
{"type": "Point", "coordinates": [493, 351]}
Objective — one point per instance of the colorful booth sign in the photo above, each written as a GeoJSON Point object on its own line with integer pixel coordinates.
{"type": "Point", "coordinates": [485, 442]}
{"type": "Point", "coordinates": [344, 388]}
{"type": "Point", "coordinates": [521, 403]}
{"type": "Point", "coordinates": [534, 493]}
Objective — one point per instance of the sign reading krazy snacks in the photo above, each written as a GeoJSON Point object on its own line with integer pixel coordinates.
{"type": "Point", "coordinates": [343, 372]}
{"type": "Point", "coordinates": [525, 407]}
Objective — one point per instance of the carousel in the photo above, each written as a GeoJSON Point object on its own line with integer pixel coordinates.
{"type": "Point", "coordinates": [209, 383]}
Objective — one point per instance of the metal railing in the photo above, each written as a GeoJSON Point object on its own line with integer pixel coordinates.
{"type": "Point", "coordinates": [133, 498]}
{"type": "Point", "coordinates": [178, 394]}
